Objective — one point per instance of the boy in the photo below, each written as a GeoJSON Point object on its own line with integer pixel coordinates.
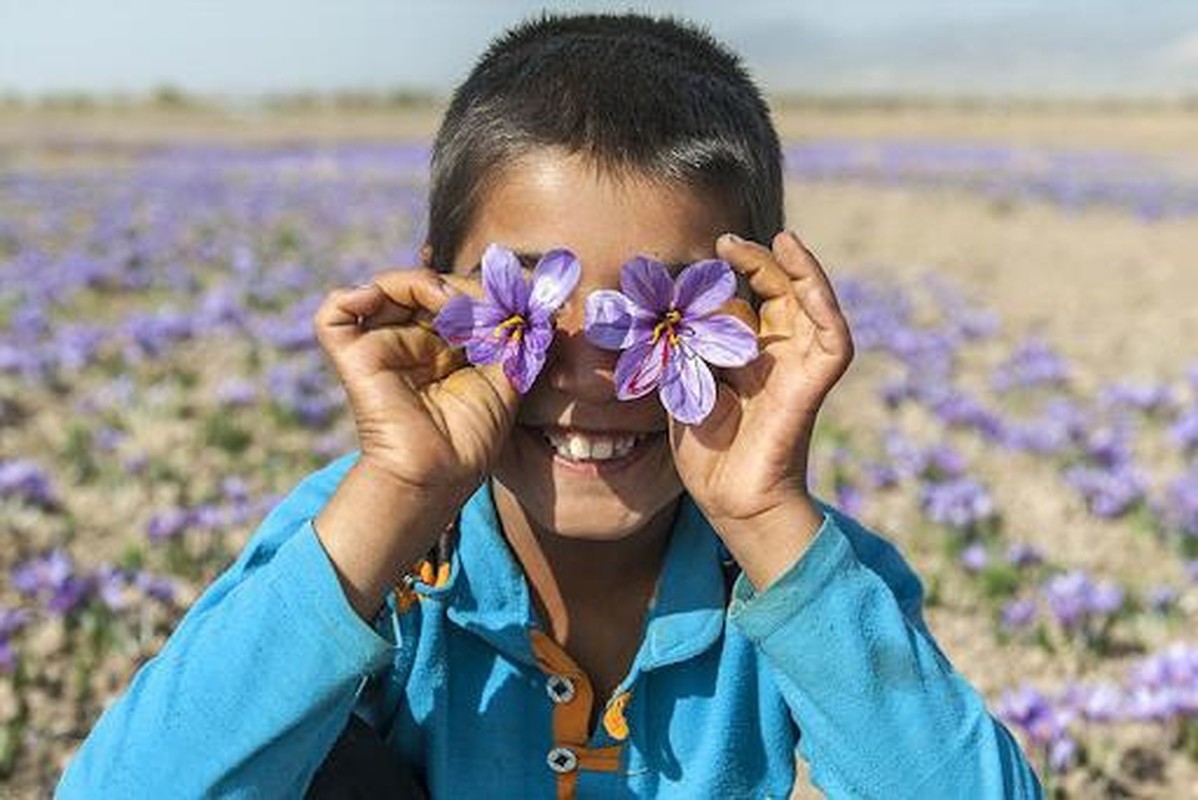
{"type": "Point", "coordinates": [574, 634]}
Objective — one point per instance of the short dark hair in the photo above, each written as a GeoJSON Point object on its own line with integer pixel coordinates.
{"type": "Point", "coordinates": [635, 93]}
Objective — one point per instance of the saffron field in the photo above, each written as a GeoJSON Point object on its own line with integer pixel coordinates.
{"type": "Point", "coordinates": [1021, 418]}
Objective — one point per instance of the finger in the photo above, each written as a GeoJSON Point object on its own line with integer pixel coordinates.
{"type": "Point", "coordinates": [343, 309]}
{"type": "Point", "coordinates": [740, 308]}
{"type": "Point", "coordinates": [801, 266]}
{"type": "Point", "coordinates": [411, 293]}
{"type": "Point", "coordinates": [422, 356]}
{"type": "Point", "coordinates": [816, 295]}
{"type": "Point", "coordinates": [756, 263]}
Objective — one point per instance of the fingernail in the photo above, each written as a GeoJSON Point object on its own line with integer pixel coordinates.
{"type": "Point", "coordinates": [364, 286]}
{"type": "Point", "coordinates": [733, 238]}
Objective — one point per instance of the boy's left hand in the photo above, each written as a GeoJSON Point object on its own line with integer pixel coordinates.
{"type": "Point", "coordinates": [746, 464]}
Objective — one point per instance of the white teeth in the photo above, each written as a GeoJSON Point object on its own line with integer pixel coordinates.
{"type": "Point", "coordinates": [578, 447]}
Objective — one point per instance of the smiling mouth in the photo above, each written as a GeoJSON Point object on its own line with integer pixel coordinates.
{"type": "Point", "coordinates": [585, 447]}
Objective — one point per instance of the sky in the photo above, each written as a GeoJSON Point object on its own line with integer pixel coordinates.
{"type": "Point", "coordinates": [242, 48]}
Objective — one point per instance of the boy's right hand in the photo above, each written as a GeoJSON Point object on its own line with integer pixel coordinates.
{"type": "Point", "coordinates": [429, 426]}
{"type": "Point", "coordinates": [423, 414]}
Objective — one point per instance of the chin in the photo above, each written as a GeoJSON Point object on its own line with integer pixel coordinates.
{"type": "Point", "coordinates": [605, 499]}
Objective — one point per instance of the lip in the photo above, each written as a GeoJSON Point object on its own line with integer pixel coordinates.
{"type": "Point", "coordinates": [593, 469]}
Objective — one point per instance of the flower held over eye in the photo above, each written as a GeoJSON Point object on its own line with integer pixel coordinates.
{"type": "Point", "coordinates": [669, 333]}
{"type": "Point", "coordinates": [514, 322]}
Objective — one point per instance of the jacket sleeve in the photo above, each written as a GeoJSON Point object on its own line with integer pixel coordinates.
{"type": "Point", "coordinates": [254, 685]}
{"type": "Point", "coordinates": [882, 713]}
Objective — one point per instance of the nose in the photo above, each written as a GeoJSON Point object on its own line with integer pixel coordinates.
{"type": "Point", "coordinates": [574, 365]}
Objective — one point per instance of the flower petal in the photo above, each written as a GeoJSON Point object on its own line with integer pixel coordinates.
{"type": "Point", "coordinates": [538, 335]}
{"type": "Point", "coordinates": [648, 284]}
{"type": "Point", "coordinates": [464, 318]}
{"type": "Point", "coordinates": [639, 368]}
{"type": "Point", "coordinates": [721, 339]}
{"type": "Point", "coordinates": [503, 280]}
{"type": "Point", "coordinates": [522, 364]}
{"type": "Point", "coordinates": [486, 349]}
{"type": "Point", "coordinates": [455, 320]}
{"type": "Point", "coordinates": [687, 388]}
{"type": "Point", "coordinates": [703, 287]}
{"type": "Point", "coordinates": [553, 280]}
{"type": "Point", "coordinates": [609, 318]}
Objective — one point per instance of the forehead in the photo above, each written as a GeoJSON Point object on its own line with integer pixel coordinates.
{"type": "Point", "coordinates": [552, 199]}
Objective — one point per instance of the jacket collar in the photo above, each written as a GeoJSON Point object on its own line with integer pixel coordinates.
{"type": "Point", "coordinates": [488, 594]}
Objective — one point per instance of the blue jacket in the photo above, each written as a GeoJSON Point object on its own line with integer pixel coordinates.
{"type": "Point", "coordinates": [260, 676]}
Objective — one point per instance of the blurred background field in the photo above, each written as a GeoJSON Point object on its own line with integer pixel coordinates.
{"type": "Point", "coordinates": [1022, 417]}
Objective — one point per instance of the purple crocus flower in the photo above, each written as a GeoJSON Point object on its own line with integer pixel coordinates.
{"type": "Point", "coordinates": [513, 324]}
{"type": "Point", "coordinates": [1019, 613]}
{"type": "Point", "coordinates": [958, 503]}
{"type": "Point", "coordinates": [974, 558]}
{"type": "Point", "coordinates": [1022, 554]}
{"type": "Point", "coordinates": [669, 333]}
{"type": "Point", "coordinates": [1184, 432]}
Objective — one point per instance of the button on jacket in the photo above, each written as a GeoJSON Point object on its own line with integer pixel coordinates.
{"type": "Point", "coordinates": [463, 683]}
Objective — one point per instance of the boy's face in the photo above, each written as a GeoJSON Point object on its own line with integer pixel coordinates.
{"type": "Point", "coordinates": [550, 199]}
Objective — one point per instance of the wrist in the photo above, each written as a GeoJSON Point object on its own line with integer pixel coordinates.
{"type": "Point", "coordinates": [376, 525]}
{"type": "Point", "coordinates": [767, 544]}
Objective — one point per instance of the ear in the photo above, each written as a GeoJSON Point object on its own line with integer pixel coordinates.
{"type": "Point", "coordinates": [426, 256]}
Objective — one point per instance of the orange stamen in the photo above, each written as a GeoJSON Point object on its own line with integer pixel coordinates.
{"type": "Point", "coordinates": [514, 321]}
{"type": "Point", "coordinates": [673, 316]}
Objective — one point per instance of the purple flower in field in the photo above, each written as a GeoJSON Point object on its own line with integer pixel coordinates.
{"type": "Point", "coordinates": [956, 408]}
{"type": "Point", "coordinates": [1019, 613]}
{"type": "Point", "coordinates": [944, 462]}
{"type": "Point", "coordinates": [849, 498]}
{"type": "Point", "coordinates": [975, 558]}
{"type": "Point", "coordinates": [1145, 398]}
{"type": "Point", "coordinates": [1191, 568]}
{"type": "Point", "coordinates": [1033, 363]}
{"type": "Point", "coordinates": [1108, 492]}
{"type": "Point", "coordinates": [42, 573]}
{"type": "Point", "coordinates": [958, 503]}
{"type": "Point", "coordinates": [1162, 599]}
{"type": "Point", "coordinates": [236, 392]}
{"type": "Point", "coordinates": [1184, 432]}
{"type": "Point", "coordinates": [52, 577]}
{"type": "Point", "coordinates": [110, 585]}
{"type": "Point", "coordinates": [906, 456]}
{"type": "Point", "coordinates": [1062, 753]}
{"type": "Point", "coordinates": [1180, 509]}
{"type": "Point", "coordinates": [1021, 554]}
{"type": "Point", "coordinates": [1103, 702]}
{"type": "Point", "coordinates": [1074, 598]}
{"type": "Point", "coordinates": [880, 475]}
{"type": "Point", "coordinates": [301, 388]}
{"type": "Point", "coordinates": [513, 324]}
{"type": "Point", "coordinates": [155, 587]}
{"type": "Point", "coordinates": [1174, 666]}
{"type": "Point", "coordinates": [1059, 423]}
{"type": "Point", "coordinates": [1109, 445]}
{"type": "Point", "coordinates": [669, 333]}
{"type": "Point", "coordinates": [152, 333]}
{"type": "Point", "coordinates": [169, 524]}
{"type": "Point", "coordinates": [12, 620]}
{"type": "Point", "coordinates": [26, 481]}
{"type": "Point", "coordinates": [1046, 724]}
